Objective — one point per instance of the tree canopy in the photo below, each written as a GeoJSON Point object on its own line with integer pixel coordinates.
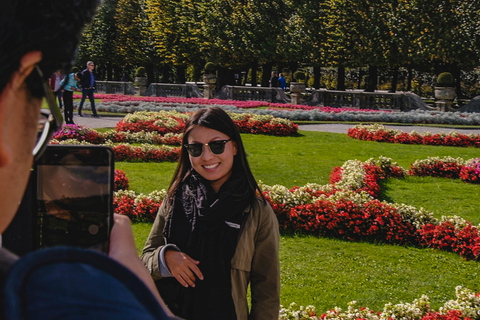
{"type": "Point", "coordinates": [241, 35]}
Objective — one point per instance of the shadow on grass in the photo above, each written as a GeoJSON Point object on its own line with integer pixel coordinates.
{"type": "Point", "coordinates": [385, 190]}
{"type": "Point", "coordinates": [297, 135]}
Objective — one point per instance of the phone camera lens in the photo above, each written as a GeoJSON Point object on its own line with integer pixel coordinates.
{"type": "Point", "coordinates": [93, 229]}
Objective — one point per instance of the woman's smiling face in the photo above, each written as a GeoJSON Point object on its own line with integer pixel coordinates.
{"type": "Point", "coordinates": [216, 168]}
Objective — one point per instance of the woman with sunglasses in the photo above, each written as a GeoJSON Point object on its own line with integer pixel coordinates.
{"type": "Point", "coordinates": [215, 234]}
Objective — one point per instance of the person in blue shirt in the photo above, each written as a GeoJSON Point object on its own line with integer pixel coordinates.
{"type": "Point", "coordinates": [69, 84]}
{"type": "Point", "coordinates": [282, 82]}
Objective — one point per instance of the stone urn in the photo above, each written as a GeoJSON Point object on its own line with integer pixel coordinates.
{"type": "Point", "coordinates": [445, 93]}
{"type": "Point", "coordinates": [209, 86]}
{"type": "Point", "coordinates": [209, 78]}
{"type": "Point", "coordinates": [297, 87]}
{"type": "Point", "coordinates": [444, 97]}
{"type": "Point", "coordinates": [296, 90]}
{"type": "Point", "coordinates": [141, 82]}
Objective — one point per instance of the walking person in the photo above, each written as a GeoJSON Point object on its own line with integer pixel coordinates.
{"type": "Point", "coordinates": [70, 84]}
{"type": "Point", "coordinates": [88, 87]}
{"type": "Point", "coordinates": [274, 80]}
{"type": "Point", "coordinates": [215, 235]}
{"type": "Point", "coordinates": [282, 82]}
{"type": "Point", "coordinates": [55, 81]}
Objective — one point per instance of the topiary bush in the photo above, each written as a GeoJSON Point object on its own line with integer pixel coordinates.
{"type": "Point", "coordinates": [140, 72]}
{"type": "Point", "coordinates": [299, 75]}
{"type": "Point", "coordinates": [445, 79]}
{"type": "Point", "coordinates": [210, 67]}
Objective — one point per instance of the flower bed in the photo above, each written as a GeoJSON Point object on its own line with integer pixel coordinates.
{"type": "Point", "coordinates": [174, 122]}
{"type": "Point", "coordinates": [471, 171]}
{"type": "Point", "coordinates": [160, 128]}
{"type": "Point", "coordinates": [72, 132]}
{"type": "Point", "coordinates": [466, 306]}
{"type": "Point", "coordinates": [448, 167]}
{"type": "Point", "coordinates": [380, 133]}
{"type": "Point", "coordinates": [129, 153]}
{"type": "Point", "coordinates": [348, 208]}
{"type": "Point", "coordinates": [120, 180]}
{"type": "Point", "coordinates": [159, 122]}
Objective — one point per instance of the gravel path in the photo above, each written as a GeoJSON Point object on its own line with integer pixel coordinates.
{"type": "Point", "coordinates": [110, 122]}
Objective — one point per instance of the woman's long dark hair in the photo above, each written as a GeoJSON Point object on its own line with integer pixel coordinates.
{"type": "Point", "coordinates": [217, 119]}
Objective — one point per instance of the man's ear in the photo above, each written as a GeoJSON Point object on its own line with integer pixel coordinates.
{"type": "Point", "coordinates": [27, 64]}
{"type": "Point", "coordinates": [8, 97]}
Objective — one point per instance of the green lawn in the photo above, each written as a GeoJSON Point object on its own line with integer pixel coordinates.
{"type": "Point", "coordinates": [329, 272]}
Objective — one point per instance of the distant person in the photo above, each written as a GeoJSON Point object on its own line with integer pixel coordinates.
{"type": "Point", "coordinates": [274, 80]}
{"type": "Point", "coordinates": [88, 88]}
{"type": "Point", "coordinates": [70, 84]}
{"type": "Point", "coordinates": [282, 82]}
{"type": "Point", "coordinates": [54, 81]}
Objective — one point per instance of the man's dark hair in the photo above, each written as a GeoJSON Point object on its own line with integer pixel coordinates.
{"type": "Point", "coordinates": [51, 26]}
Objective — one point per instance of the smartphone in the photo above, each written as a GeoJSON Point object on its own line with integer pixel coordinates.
{"type": "Point", "coordinates": [74, 188]}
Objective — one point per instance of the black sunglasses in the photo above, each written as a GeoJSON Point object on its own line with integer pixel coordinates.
{"type": "Point", "coordinates": [48, 122]}
{"type": "Point", "coordinates": [216, 147]}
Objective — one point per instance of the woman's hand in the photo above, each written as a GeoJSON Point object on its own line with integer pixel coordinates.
{"type": "Point", "coordinates": [182, 267]}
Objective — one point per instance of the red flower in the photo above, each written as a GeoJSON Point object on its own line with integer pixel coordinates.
{"type": "Point", "coordinates": [120, 180]}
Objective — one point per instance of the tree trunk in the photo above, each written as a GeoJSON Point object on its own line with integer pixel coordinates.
{"type": "Point", "coordinates": [254, 73]}
{"type": "Point", "coordinates": [316, 77]}
{"type": "Point", "coordinates": [117, 73]}
{"type": "Point", "coordinates": [225, 77]}
{"type": "Point", "coordinates": [394, 80]}
{"type": "Point", "coordinates": [409, 79]}
{"type": "Point", "coordinates": [266, 73]}
{"type": "Point", "coordinates": [372, 79]}
{"type": "Point", "coordinates": [456, 72]}
{"type": "Point", "coordinates": [360, 77]}
{"type": "Point", "coordinates": [109, 72]}
{"type": "Point", "coordinates": [341, 78]}
{"type": "Point", "coordinates": [166, 74]}
{"type": "Point", "coordinates": [180, 78]}
{"type": "Point", "coordinates": [150, 73]}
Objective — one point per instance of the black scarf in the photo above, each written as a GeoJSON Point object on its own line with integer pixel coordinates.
{"type": "Point", "coordinates": [206, 226]}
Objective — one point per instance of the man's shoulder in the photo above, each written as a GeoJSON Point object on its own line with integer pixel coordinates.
{"type": "Point", "coordinates": [63, 280]}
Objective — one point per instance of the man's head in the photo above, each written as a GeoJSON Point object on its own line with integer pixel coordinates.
{"type": "Point", "coordinates": [90, 66]}
{"type": "Point", "coordinates": [32, 33]}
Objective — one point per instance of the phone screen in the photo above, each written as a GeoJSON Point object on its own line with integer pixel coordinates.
{"type": "Point", "coordinates": [75, 195]}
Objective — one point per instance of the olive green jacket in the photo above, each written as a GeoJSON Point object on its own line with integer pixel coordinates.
{"type": "Point", "coordinates": [255, 262]}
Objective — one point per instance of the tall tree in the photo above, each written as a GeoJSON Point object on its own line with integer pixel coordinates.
{"type": "Point", "coordinates": [304, 34]}
{"type": "Point", "coordinates": [447, 34]}
{"type": "Point", "coordinates": [98, 43]}
{"type": "Point", "coordinates": [244, 33]}
{"type": "Point", "coordinates": [176, 31]}
{"type": "Point", "coordinates": [130, 43]}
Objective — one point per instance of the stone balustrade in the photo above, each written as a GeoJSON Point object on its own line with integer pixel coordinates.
{"type": "Point", "coordinates": [333, 98]}
{"type": "Point", "coordinates": [173, 90]}
{"type": "Point", "coordinates": [115, 87]}
{"type": "Point", "coordinates": [361, 100]}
